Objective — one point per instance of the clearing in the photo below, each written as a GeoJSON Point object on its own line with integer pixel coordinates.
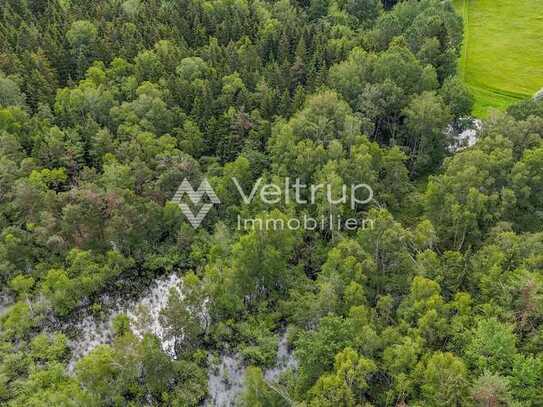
{"type": "Point", "coordinates": [502, 57]}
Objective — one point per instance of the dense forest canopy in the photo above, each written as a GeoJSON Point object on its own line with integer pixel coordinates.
{"type": "Point", "coordinates": [107, 106]}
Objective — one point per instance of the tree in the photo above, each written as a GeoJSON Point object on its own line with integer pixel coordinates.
{"type": "Point", "coordinates": [260, 259]}
{"type": "Point", "coordinates": [185, 315]}
{"type": "Point", "coordinates": [399, 361]}
{"type": "Point", "coordinates": [457, 97]}
{"type": "Point", "coordinates": [10, 94]}
{"type": "Point", "coordinates": [444, 381]}
{"type": "Point", "coordinates": [464, 202]}
{"type": "Point", "coordinates": [526, 177]}
{"type": "Point", "coordinates": [81, 37]}
{"type": "Point", "coordinates": [107, 106]}
{"type": "Point", "coordinates": [348, 383]}
{"type": "Point", "coordinates": [49, 347]}
{"type": "Point", "coordinates": [316, 350]}
{"type": "Point", "coordinates": [492, 347]}
{"type": "Point", "coordinates": [526, 379]}
{"type": "Point", "coordinates": [427, 118]}
{"type": "Point", "coordinates": [491, 390]}
{"type": "Point", "coordinates": [259, 393]}
{"type": "Point", "coordinates": [318, 9]}
{"type": "Point", "coordinates": [365, 11]}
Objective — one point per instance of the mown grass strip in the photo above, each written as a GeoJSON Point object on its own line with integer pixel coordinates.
{"type": "Point", "coordinates": [502, 56]}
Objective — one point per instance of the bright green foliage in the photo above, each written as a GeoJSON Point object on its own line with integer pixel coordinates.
{"type": "Point", "coordinates": [433, 299]}
{"type": "Point", "coordinates": [185, 316]}
{"type": "Point", "coordinates": [259, 393]}
{"type": "Point", "coordinates": [347, 385]}
{"type": "Point", "coordinates": [444, 380]}
{"type": "Point", "coordinates": [133, 369]}
{"type": "Point", "coordinates": [316, 350]}
{"type": "Point", "coordinates": [492, 347]}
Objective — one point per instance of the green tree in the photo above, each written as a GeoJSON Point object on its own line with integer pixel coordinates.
{"type": "Point", "coordinates": [82, 38]}
{"type": "Point", "coordinates": [427, 118]}
{"type": "Point", "coordinates": [10, 94]}
{"type": "Point", "coordinates": [347, 385]}
{"type": "Point", "coordinates": [259, 393]}
{"type": "Point", "coordinates": [444, 380]}
{"type": "Point", "coordinates": [491, 390]}
{"type": "Point", "coordinates": [492, 347]}
{"type": "Point", "coordinates": [185, 315]}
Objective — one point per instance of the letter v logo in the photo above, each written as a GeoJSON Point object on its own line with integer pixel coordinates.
{"type": "Point", "coordinates": [195, 197]}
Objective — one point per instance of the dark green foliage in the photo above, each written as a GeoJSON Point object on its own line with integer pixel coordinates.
{"type": "Point", "coordinates": [106, 106]}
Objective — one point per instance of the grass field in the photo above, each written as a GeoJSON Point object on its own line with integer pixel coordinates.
{"type": "Point", "coordinates": [502, 58]}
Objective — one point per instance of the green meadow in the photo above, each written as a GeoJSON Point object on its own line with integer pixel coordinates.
{"type": "Point", "coordinates": [502, 57]}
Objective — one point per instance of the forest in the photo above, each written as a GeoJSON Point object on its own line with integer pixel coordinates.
{"type": "Point", "coordinates": [106, 106]}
